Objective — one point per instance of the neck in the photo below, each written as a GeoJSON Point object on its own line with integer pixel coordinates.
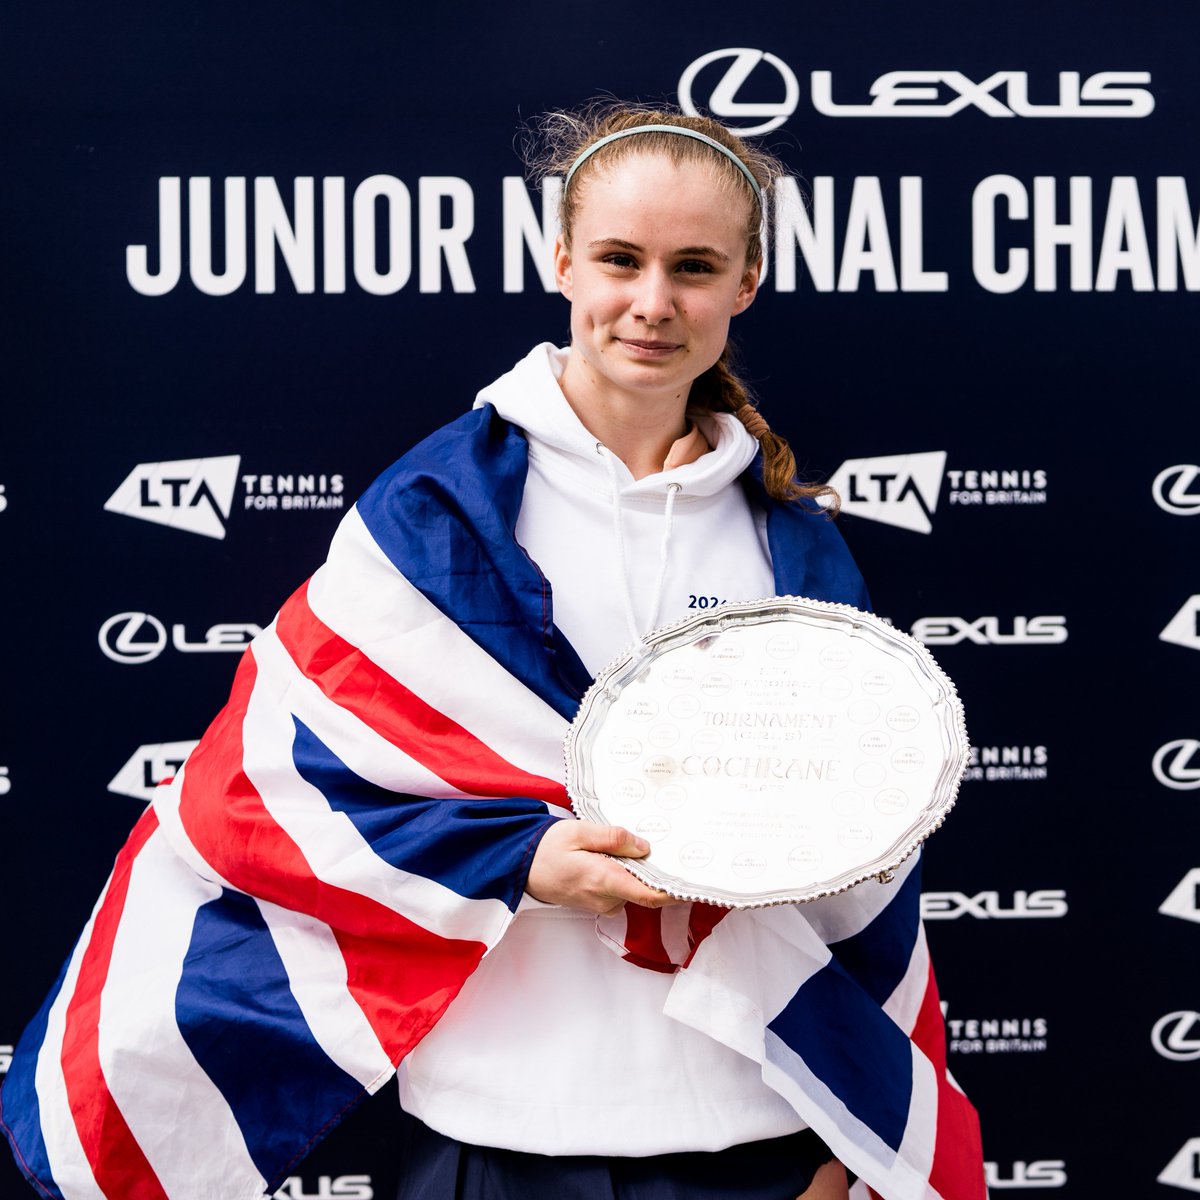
{"type": "Point", "coordinates": [639, 429]}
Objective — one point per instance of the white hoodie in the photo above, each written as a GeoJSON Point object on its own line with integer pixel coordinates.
{"type": "Point", "coordinates": [555, 1045]}
{"type": "Point", "coordinates": [716, 550]}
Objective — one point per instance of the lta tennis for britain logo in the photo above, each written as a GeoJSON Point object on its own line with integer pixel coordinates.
{"type": "Point", "coordinates": [196, 495]}
{"type": "Point", "coordinates": [904, 489]}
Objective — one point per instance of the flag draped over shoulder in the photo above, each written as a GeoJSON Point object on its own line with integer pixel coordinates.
{"type": "Point", "coordinates": [301, 904]}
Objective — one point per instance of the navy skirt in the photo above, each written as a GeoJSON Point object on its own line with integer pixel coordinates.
{"type": "Point", "coordinates": [434, 1167]}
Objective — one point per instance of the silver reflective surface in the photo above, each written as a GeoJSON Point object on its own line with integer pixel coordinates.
{"type": "Point", "coordinates": [769, 751]}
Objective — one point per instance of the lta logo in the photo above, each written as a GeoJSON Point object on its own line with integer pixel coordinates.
{"type": "Point", "coordinates": [1183, 1171]}
{"type": "Point", "coordinates": [1183, 629]}
{"type": "Point", "coordinates": [196, 494]}
{"type": "Point", "coordinates": [149, 766]}
{"type": "Point", "coordinates": [896, 489]}
{"type": "Point", "coordinates": [193, 494]}
{"type": "Point", "coordinates": [1184, 900]}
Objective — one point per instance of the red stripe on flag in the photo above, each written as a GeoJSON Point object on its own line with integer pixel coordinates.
{"type": "Point", "coordinates": [116, 1160]}
{"type": "Point", "coordinates": [929, 1031]}
{"type": "Point", "coordinates": [352, 681]}
{"type": "Point", "coordinates": [957, 1171]}
{"type": "Point", "coordinates": [401, 975]}
{"type": "Point", "coordinates": [643, 939]}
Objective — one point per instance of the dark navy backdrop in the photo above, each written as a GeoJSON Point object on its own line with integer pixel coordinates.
{"type": "Point", "coordinates": [1023, 539]}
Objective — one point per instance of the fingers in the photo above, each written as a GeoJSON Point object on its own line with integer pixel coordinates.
{"type": "Point", "coordinates": [618, 882]}
{"type": "Point", "coordinates": [609, 839]}
{"type": "Point", "coordinates": [571, 867]}
{"type": "Point", "coordinates": [628, 888]}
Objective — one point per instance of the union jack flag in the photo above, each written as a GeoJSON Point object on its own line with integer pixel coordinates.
{"type": "Point", "coordinates": [302, 903]}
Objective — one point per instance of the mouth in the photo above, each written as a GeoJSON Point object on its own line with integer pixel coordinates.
{"type": "Point", "coordinates": [644, 348]}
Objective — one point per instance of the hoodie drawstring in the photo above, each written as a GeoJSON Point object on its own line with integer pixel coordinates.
{"type": "Point", "coordinates": [673, 489]}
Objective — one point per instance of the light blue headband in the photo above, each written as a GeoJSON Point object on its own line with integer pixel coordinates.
{"type": "Point", "coordinates": [682, 132]}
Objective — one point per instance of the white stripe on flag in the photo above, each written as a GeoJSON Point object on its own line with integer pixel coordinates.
{"type": "Point", "coordinates": [842, 916]}
{"type": "Point", "coordinates": [852, 1142]}
{"type": "Point", "coordinates": [612, 929]}
{"type": "Point", "coordinates": [744, 974]}
{"type": "Point", "coordinates": [904, 1004]}
{"type": "Point", "coordinates": [920, 1135]}
{"type": "Point", "coordinates": [673, 926]}
{"type": "Point", "coordinates": [364, 751]}
{"type": "Point", "coordinates": [64, 1150]}
{"type": "Point", "coordinates": [334, 849]}
{"type": "Point", "coordinates": [164, 1085]}
{"type": "Point", "coordinates": [362, 597]}
{"type": "Point", "coordinates": [317, 975]}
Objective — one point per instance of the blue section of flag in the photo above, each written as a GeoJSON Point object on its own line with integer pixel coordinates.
{"type": "Point", "coordinates": [236, 1012]}
{"type": "Point", "coordinates": [838, 1013]}
{"type": "Point", "coordinates": [879, 955]}
{"type": "Point", "coordinates": [20, 1113]}
{"type": "Point", "coordinates": [476, 848]}
{"type": "Point", "coordinates": [452, 533]}
{"type": "Point", "coordinates": [852, 1047]}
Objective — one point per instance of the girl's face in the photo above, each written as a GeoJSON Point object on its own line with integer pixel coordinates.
{"type": "Point", "coordinates": [656, 269]}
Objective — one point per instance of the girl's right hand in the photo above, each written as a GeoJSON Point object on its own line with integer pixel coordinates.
{"type": "Point", "coordinates": [571, 867]}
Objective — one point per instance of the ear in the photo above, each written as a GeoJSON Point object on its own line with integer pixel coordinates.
{"type": "Point", "coordinates": [749, 287]}
{"type": "Point", "coordinates": [562, 268]}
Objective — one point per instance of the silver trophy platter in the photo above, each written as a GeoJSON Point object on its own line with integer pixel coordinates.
{"type": "Point", "coordinates": [769, 751]}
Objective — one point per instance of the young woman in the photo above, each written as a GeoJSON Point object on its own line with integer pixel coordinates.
{"type": "Point", "coordinates": [370, 860]}
{"type": "Point", "coordinates": [638, 437]}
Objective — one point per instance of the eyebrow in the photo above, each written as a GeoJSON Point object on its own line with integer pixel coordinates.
{"type": "Point", "coordinates": [683, 252]}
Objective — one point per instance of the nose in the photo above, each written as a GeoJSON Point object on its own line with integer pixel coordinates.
{"type": "Point", "coordinates": [654, 296]}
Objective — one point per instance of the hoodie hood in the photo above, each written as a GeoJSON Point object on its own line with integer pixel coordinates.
{"type": "Point", "coordinates": [529, 397]}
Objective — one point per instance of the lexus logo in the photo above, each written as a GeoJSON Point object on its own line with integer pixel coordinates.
{"type": "Point", "coordinates": [120, 641]}
{"type": "Point", "coordinates": [1177, 1036]}
{"type": "Point", "coordinates": [1174, 490]}
{"type": "Point", "coordinates": [1177, 764]}
{"type": "Point", "coordinates": [907, 93]}
{"type": "Point", "coordinates": [723, 102]}
{"type": "Point", "coordinates": [138, 637]}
